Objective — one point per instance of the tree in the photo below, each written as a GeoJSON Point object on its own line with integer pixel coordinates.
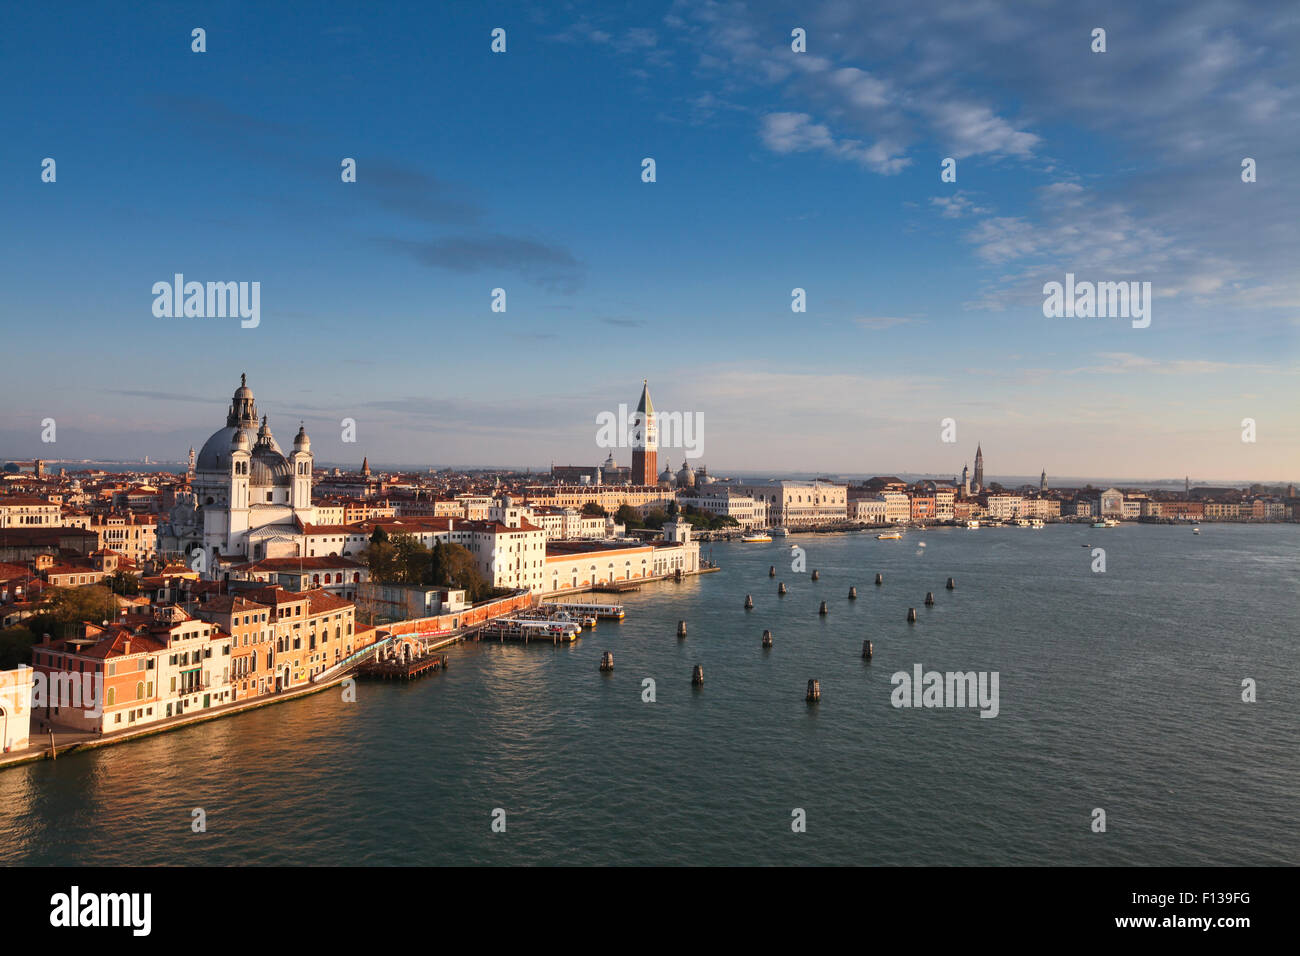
{"type": "Point", "coordinates": [381, 559]}
{"type": "Point", "coordinates": [629, 516]}
{"type": "Point", "coordinates": [462, 572]}
{"type": "Point", "coordinates": [437, 564]}
{"type": "Point", "coordinates": [15, 647]}
{"type": "Point", "coordinates": [655, 518]}
{"type": "Point", "coordinates": [71, 606]}
{"type": "Point", "coordinates": [120, 582]}
{"type": "Point", "coordinates": [593, 510]}
{"type": "Point", "coordinates": [410, 557]}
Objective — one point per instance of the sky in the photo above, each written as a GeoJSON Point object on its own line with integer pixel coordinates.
{"type": "Point", "coordinates": [774, 170]}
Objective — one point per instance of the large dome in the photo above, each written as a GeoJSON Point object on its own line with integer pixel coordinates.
{"type": "Point", "coordinates": [269, 466]}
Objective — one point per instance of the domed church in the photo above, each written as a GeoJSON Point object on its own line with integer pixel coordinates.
{"type": "Point", "coordinates": [249, 499]}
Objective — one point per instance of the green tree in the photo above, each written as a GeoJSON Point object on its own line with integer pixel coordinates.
{"type": "Point", "coordinates": [410, 557]}
{"type": "Point", "coordinates": [381, 559]}
{"type": "Point", "coordinates": [591, 509]}
{"type": "Point", "coordinates": [120, 582]}
{"type": "Point", "coordinates": [629, 516]}
{"type": "Point", "coordinates": [15, 647]}
{"type": "Point", "coordinates": [71, 606]}
{"type": "Point", "coordinates": [437, 564]}
{"type": "Point", "coordinates": [655, 518]}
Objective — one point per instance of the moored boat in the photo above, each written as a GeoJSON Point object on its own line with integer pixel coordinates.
{"type": "Point", "coordinates": [889, 536]}
{"type": "Point", "coordinates": [755, 536]}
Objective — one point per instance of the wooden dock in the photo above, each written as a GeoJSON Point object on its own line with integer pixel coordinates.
{"type": "Point", "coordinates": [403, 670]}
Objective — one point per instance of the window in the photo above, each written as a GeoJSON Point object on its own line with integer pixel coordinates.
{"type": "Point", "coordinates": [139, 690]}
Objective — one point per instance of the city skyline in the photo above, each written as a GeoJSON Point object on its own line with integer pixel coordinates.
{"type": "Point", "coordinates": [776, 171]}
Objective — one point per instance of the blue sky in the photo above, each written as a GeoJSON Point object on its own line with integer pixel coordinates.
{"type": "Point", "coordinates": [775, 170]}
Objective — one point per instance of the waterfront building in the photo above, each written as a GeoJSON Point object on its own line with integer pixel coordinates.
{"type": "Point", "coordinates": [800, 504]}
{"type": "Point", "coordinates": [579, 565]}
{"type": "Point", "coordinates": [1003, 506]}
{"type": "Point", "coordinates": [398, 602]}
{"type": "Point", "coordinates": [15, 708]}
{"type": "Point", "coordinates": [898, 507]}
{"type": "Point", "coordinates": [868, 510]}
{"type": "Point", "coordinates": [747, 510]}
{"type": "Point", "coordinates": [251, 634]}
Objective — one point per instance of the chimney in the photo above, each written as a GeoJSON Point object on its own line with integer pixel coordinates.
{"type": "Point", "coordinates": [126, 646]}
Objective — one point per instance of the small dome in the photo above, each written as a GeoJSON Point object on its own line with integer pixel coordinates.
{"type": "Point", "coordinates": [300, 441]}
{"type": "Point", "coordinates": [239, 441]}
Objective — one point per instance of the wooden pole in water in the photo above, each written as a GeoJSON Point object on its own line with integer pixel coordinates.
{"type": "Point", "coordinates": [749, 602]}
{"type": "Point", "coordinates": [867, 650]}
{"type": "Point", "coordinates": [816, 575]}
{"type": "Point", "coordinates": [911, 615]}
{"type": "Point", "coordinates": [697, 676]}
{"type": "Point", "coordinates": [54, 752]}
{"type": "Point", "coordinates": [929, 599]}
{"type": "Point", "coordinates": [781, 590]}
{"type": "Point", "coordinates": [823, 610]}
{"type": "Point", "coordinates": [814, 692]}
{"type": "Point", "coordinates": [681, 628]}
{"type": "Point", "coordinates": [951, 584]}
{"type": "Point", "coordinates": [767, 638]}
{"type": "Point", "coordinates": [880, 579]}
{"type": "Point", "coordinates": [771, 571]}
{"type": "Point", "coordinates": [853, 594]}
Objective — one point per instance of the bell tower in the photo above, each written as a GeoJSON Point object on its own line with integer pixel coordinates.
{"type": "Point", "coordinates": [645, 440]}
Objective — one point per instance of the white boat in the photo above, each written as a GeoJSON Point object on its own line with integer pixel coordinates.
{"type": "Point", "coordinates": [1037, 523]}
{"type": "Point", "coordinates": [1196, 531]}
{"type": "Point", "coordinates": [972, 524]}
{"type": "Point", "coordinates": [780, 532]}
{"type": "Point", "coordinates": [756, 536]}
{"type": "Point", "coordinates": [889, 536]}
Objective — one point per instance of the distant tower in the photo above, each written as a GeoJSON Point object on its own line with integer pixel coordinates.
{"type": "Point", "coordinates": [965, 481]}
{"type": "Point", "coordinates": [365, 467]}
{"type": "Point", "coordinates": [645, 440]}
{"type": "Point", "coordinates": [979, 468]}
{"type": "Point", "coordinates": [1187, 485]}
{"type": "Point", "coordinates": [189, 472]}
{"type": "Point", "coordinates": [1042, 482]}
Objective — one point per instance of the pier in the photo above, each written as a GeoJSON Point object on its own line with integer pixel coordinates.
{"type": "Point", "coordinates": [402, 669]}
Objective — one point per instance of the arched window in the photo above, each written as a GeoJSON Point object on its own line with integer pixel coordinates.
{"type": "Point", "coordinates": [139, 690]}
{"type": "Point", "coordinates": [110, 698]}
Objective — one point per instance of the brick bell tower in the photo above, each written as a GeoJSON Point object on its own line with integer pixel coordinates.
{"type": "Point", "coordinates": [645, 441]}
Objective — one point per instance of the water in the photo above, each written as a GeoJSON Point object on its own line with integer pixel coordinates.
{"type": "Point", "coordinates": [1119, 690]}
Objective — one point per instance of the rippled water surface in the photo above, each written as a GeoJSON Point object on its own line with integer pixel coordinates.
{"type": "Point", "coordinates": [1119, 690]}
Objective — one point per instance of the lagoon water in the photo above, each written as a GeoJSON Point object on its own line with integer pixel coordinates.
{"type": "Point", "coordinates": [1118, 690]}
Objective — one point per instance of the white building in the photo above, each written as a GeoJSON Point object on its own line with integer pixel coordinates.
{"type": "Point", "coordinates": [249, 499]}
{"type": "Point", "coordinates": [749, 512]}
{"type": "Point", "coordinates": [800, 504]}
